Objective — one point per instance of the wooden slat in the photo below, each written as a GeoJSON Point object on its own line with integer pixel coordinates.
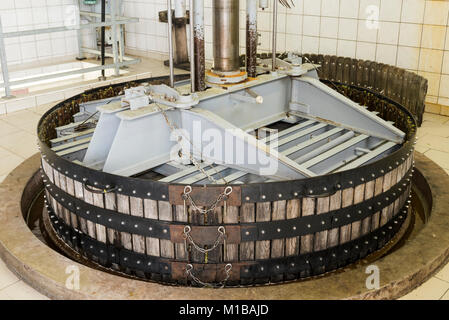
{"type": "Point", "coordinates": [278, 245]}
{"type": "Point", "coordinates": [166, 214]}
{"type": "Point", "coordinates": [399, 176]}
{"type": "Point", "coordinates": [247, 248]}
{"type": "Point", "coordinates": [123, 207]}
{"type": "Point", "coordinates": [394, 176]}
{"type": "Point", "coordinates": [214, 218]}
{"type": "Point", "coordinates": [100, 229]}
{"type": "Point", "coordinates": [369, 193]}
{"type": "Point", "coordinates": [63, 186]}
{"type": "Point", "coordinates": [196, 218]}
{"type": "Point", "coordinates": [79, 193]}
{"type": "Point", "coordinates": [385, 187]}
{"type": "Point", "coordinates": [322, 206]}
{"type": "Point", "coordinates": [293, 211]}
{"type": "Point", "coordinates": [347, 199]}
{"type": "Point", "coordinates": [378, 185]}
{"type": "Point", "coordinates": [232, 250]}
{"type": "Point", "coordinates": [136, 209]}
{"type": "Point", "coordinates": [247, 214]}
{"type": "Point", "coordinates": [88, 198]}
{"type": "Point", "coordinates": [263, 214]}
{"type": "Point", "coordinates": [278, 213]}
{"type": "Point", "coordinates": [57, 207]}
{"type": "Point", "coordinates": [110, 203]}
{"type": "Point", "coordinates": [48, 170]}
{"type": "Point", "coordinates": [308, 209]}
{"type": "Point", "coordinates": [359, 195]}
{"type": "Point", "coordinates": [71, 191]}
{"type": "Point", "coordinates": [181, 215]}
{"type": "Point", "coordinates": [151, 212]}
{"type": "Point", "coordinates": [333, 236]}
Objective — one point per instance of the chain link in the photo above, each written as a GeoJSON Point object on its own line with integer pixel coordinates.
{"type": "Point", "coordinates": [187, 236]}
{"type": "Point", "coordinates": [223, 196]}
{"type": "Point", "coordinates": [227, 268]}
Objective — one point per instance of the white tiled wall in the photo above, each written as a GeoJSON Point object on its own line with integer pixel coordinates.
{"type": "Point", "coordinates": [412, 34]}
{"type": "Point", "coordinates": [18, 15]}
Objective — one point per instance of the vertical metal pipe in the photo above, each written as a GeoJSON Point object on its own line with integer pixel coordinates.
{"type": "Point", "coordinates": [274, 35]}
{"type": "Point", "coordinates": [251, 37]}
{"type": "Point", "coordinates": [226, 35]}
{"type": "Point", "coordinates": [170, 44]}
{"type": "Point", "coordinates": [103, 19]}
{"type": "Point", "coordinates": [79, 37]}
{"type": "Point", "coordinates": [122, 43]}
{"type": "Point", "coordinates": [192, 48]}
{"type": "Point", "coordinates": [198, 37]}
{"type": "Point", "coordinates": [114, 7]}
{"type": "Point", "coordinates": [4, 62]}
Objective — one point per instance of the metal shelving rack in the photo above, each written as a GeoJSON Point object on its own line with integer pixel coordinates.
{"type": "Point", "coordinates": [112, 20]}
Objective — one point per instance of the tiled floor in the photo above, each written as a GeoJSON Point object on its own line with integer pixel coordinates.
{"type": "Point", "coordinates": [18, 142]}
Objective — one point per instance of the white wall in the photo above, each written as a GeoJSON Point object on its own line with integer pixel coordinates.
{"type": "Point", "coordinates": [18, 15]}
{"type": "Point", "coordinates": [412, 34]}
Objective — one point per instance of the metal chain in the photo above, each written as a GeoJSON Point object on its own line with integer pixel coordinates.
{"type": "Point", "coordinates": [173, 127]}
{"type": "Point", "coordinates": [223, 196]}
{"type": "Point", "coordinates": [228, 269]}
{"type": "Point", "coordinates": [222, 235]}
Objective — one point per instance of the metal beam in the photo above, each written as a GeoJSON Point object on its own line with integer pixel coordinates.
{"type": "Point", "coordinates": [314, 100]}
{"type": "Point", "coordinates": [277, 165]}
{"type": "Point", "coordinates": [368, 156]}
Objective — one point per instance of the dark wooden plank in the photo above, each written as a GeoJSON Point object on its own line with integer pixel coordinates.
{"type": "Point", "coordinates": [63, 186]}
{"type": "Point", "coordinates": [196, 218]}
{"type": "Point", "coordinates": [378, 185]}
{"type": "Point", "coordinates": [123, 207]}
{"type": "Point", "coordinates": [369, 193]}
{"type": "Point", "coordinates": [247, 214]}
{"type": "Point", "coordinates": [71, 191]}
{"type": "Point", "coordinates": [110, 203]}
{"type": "Point", "coordinates": [359, 196]}
{"type": "Point", "coordinates": [263, 213]}
{"type": "Point", "coordinates": [385, 187]}
{"type": "Point", "coordinates": [151, 212]}
{"type": "Point", "coordinates": [247, 248]}
{"type": "Point", "coordinates": [79, 193]}
{"type": "Point", "coordinates": [347, 199]}
{"type": "Point", "coordinates": [293, 211]}
{"type": "Point", "coordinates": [308, 209]}
{"type": "Point", "coordinates": [100, 229]}
{"type": "Point", "coordinates": [214, 218]}
{"type": "Point", "coordinates": [394, 176]}
{"type": "Point", "coordinates": [333, 235]}
{"type": "Point", "coordinates": [279, 209]}
{"type": "Point", "coordinates": [136, 209]}
{"type": "Point", "coordinates": [166, 214]}
{"type": "Point", "coordinates": [88, 198]}
{"type": "Point", "coordinates": [231, 252]}
{"type": "Point", "coordinates": [322, 206]}
{"type": "Point", "coordinates": [181, 215]}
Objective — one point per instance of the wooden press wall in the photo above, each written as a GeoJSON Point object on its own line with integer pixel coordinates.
{"type": "Point", "coordinates": [246, 213]}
